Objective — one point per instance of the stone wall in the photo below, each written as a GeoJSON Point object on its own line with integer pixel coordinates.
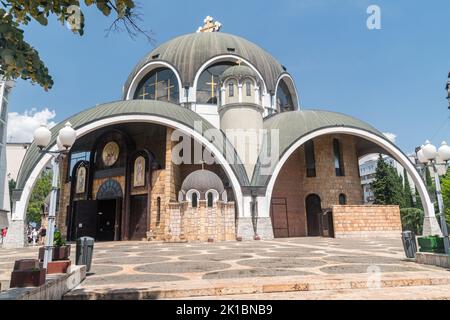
{"type": "Point", "coordinates": [366, 221]}
{"type": "Point", "coordinates": [186, 223]}
{"type": "Point", "coordinates": [293, 186]}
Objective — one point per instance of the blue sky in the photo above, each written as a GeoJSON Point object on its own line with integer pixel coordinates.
{"type": "Point", "coordinates": [393, 78]}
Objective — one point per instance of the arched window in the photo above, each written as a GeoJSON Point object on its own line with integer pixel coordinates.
{"type": "Point", "coordinates": [194, 200]}
{"type": "Point", "coordinates": [160, 84]}
{"type": "Point", "coordinates": [248, 88]}
{"type": "Point", "coordinates": [284, 98]}
{"type": "Point", "coordinates": [310, 159]}
{"type": "Point", "coordinates": [342, 199]}
{"type": "Point", "coordinates": [210, 200]}
{"type": "Point", "coordinates": [158, 211]}
{"type": "Point", "coordinates": [338, 163]}
{"type": "Point", "coordinates": [208, 83]}
{"type": "Point", "coordinates": [231, 88]}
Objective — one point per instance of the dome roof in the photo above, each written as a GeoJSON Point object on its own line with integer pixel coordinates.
{"type": "Point", "coordinates": [202, 180]}
{"type": "Point", "coordinates": [239, 71]}
{"type": "Point", "coordinates": [189, 52]}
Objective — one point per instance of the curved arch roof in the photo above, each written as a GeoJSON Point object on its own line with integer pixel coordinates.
{"type": "Point", "coordinates": [189, 52]}
{"type": "Point", "coordinates": [293, 125]}
{"type": "Point", "coordinates": [167, 110]}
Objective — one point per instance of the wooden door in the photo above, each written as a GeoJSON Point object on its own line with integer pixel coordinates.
{"type": "Point", "coordinates": [279, 215]}
{"type": "Point", "coordinates": [138, 217]}
{"type": "Point", "coordinates": [106, 220]}
{"type": "Point", "coordinates": [85, 219]}
{"type": "Point", "coordinates": [313, 215]}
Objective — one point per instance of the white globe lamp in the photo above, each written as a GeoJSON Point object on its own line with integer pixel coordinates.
{"type": "Point", "coordinates": [42, 136]}
{"type": "Point", "coordinates": [421, 156]}
{"type": "Point", "coordinates": [67, 136]}
{"type": "Point", "coordinates": [444, 152]}
{"type": "Point", "coordinates": [429, 151]}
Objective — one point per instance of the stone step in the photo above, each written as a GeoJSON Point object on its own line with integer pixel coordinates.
{"type": "Point", "coordinates": [436, 292]}
{"type": "Point", "coordinates": [248, 286]}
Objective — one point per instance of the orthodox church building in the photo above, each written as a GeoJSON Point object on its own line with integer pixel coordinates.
{"type": "Point", "coordinates": [267, 167]}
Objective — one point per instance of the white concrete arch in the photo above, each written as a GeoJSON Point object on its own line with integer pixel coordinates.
{"type": "Point", "coordinates": [19, 207]}
{"type": "Point", "coordinates": [430, 227]}
{"type": "Point", "coordinates": [226, 57]}
{"type": "Point", "coordinates": [148, 68]}
{"type": "Point", "coordinates": [290, 84]}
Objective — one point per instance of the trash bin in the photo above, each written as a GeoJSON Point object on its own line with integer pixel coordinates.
{"type": "Point", "coordinates": [84, 252]}
{"type": "Point", "coordinates": [409, 244]}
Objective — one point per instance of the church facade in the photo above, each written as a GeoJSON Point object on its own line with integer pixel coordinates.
{"type": "Point", "coordinates": [210, 143]}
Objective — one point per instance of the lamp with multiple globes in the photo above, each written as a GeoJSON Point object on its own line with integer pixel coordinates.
{"type": "Point", "coordinates": [64, 141]}
{"type": "Point", "coordinates": [429, 155]}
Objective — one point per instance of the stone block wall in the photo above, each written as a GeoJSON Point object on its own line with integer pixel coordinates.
{"type": "Point", "coordinates": [366, 221]}
{"type": "Point", "coordinates": [186, 223]}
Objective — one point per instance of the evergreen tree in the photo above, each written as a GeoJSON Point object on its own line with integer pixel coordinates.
{"type": "Point", "coordinates": [418, 203]}
{"type": "Point", "coordinates": [409, 203]}
{"type": "Point", "coordinates": [388, 185]}
{"type": "Point", "coordinates": [399, 196]}
{"type": "Point", "coordinates": [445, 185]}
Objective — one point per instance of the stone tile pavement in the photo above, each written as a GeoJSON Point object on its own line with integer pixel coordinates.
{"type": "Point", "coordinates": [127, 265]}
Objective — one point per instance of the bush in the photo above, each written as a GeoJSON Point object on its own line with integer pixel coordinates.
{"type": "Point", "coordinates": [412, 220]}
{"type": "Point", "coordinates": [58, 240]}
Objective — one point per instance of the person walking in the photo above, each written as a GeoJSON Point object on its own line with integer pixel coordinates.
{"type": "Point", "coordinates": [34, 236]}
{"type": "Point", "coordinates": [42, 234]}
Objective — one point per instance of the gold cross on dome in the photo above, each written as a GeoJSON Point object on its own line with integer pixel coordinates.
{"type": "Point", "coordinates": [169, 86]}
{"type": "Point", "coordinates": [213, 86]}
{"type": "Point", "coordinates": [209, 25]}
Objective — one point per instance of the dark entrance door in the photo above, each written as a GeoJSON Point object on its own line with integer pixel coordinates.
{"type": "Point", "coordinates": [106, 220]}
{"type": "Point", "coordinates": [84, 222]}
{"type": "Point", "coordinates": [279, 215]}
{"type": "Point", "coordinates": [138, 217]}
{"type": "Point", "coordinates": [313, 213]}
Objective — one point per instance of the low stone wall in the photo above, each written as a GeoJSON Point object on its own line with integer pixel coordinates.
{"type": "Point", "coordinates": [55, 287]}
{"type": "Point", "coordinates": [433, 259]}
{"type": "Point", "coordinates": [366, 221]}
{"type": "Point", "coordinates": [202, 223]}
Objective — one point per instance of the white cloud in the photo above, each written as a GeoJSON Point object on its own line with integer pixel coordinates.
{"type": "Point", "coordinates": [391, 136]}
{"type": "Point", "coordinates": [22, 125]}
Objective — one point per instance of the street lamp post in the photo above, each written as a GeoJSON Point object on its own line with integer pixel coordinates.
{"type": "Point", "coordinates": [428, 156]}
{"type": "Point", "coordinates": [65, 140]}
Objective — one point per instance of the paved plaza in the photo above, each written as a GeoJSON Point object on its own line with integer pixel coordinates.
{"type": "Point", "coordinates": [124, 266]}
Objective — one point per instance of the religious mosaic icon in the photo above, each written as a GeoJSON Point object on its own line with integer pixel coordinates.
{"type": "Point", "coordinates": [110, 153]}
{"type": "Point", "coordinates": [81, 180]}
{"type": "Point", "coordinates": [139, 172]}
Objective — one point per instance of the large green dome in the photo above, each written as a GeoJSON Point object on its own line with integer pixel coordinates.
{"type": "Point", "coordinates": [189, 52]}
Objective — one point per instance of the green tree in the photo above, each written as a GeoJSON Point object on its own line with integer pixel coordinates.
{"type": "Point", "coordinates": [387, 186]}
{"type": "Point", "coordinates": [409, 202]}
{"type": "Point", "coordinates": [418, 203]}
{"type": "Point", "coordinates": [412, 220]}
{"type": "Point", "coordinates": [11, 187]}
{"type": "Point", "coordinates": [40, 192]}
{"type": "Point", "coordinates": [18, 59]}
{"type": "Point", "coordinates": [445, 185]}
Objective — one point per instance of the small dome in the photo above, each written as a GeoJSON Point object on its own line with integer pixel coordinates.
{"type": "Point", "coordinates": [239, 72]}
{"type": "Point", "coordinates": [202, 180]}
